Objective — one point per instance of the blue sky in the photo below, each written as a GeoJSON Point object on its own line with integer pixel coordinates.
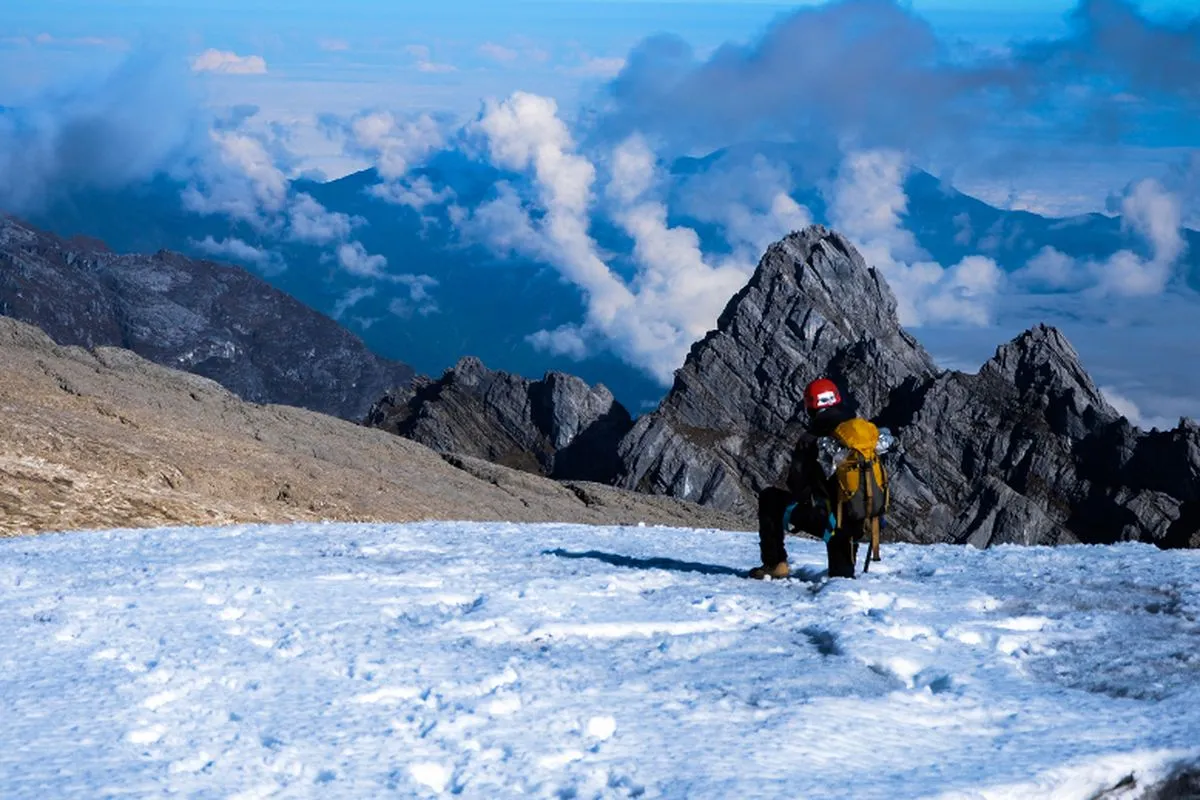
{"type": "Point", "coordinates": [324, 57]}
{"type": "Point", "coordinates": [364, 47]}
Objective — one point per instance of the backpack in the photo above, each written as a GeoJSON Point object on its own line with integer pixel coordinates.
{"type": "Point", "coordinates": [858, 481]}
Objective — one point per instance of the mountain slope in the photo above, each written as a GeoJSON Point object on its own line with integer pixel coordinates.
{"type": "Point", "coordinates": [108, 439]}
{"type": "Point", "coordinates": [214, 320]}
{"type": "Point", "coordinates": [477, 290]}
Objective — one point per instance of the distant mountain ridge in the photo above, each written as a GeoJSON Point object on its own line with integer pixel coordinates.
{"type": "Point", "coordinates": [215, 320]}
{"type": "Point", "coordinates": [476, 289]}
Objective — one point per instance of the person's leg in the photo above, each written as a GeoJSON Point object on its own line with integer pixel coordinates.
{"type": "Point", "coordinates": [772, 503]}
{"type": "Point", "coordinates": [840, 549]}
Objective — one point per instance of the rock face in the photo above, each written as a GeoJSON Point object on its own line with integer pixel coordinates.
{"type": "Point", "coordinates": [213, 320]}
{"type": "Point", "coordinates": [1025, 451]}
{"type": "Point", "coordinates": [559, 427]}
{"type": "Point", "coordinates": [727, 428]}
{"type": "Point", "coordinates": [1028, 451]}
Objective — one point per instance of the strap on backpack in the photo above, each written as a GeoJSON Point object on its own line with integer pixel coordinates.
{"type": "Point", "coordinates": [870, 524]}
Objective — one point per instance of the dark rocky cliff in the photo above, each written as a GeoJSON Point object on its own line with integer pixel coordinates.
{"type": "Point", "coordinates": [559, 426]}
{"type": "Point", "coordinates": [211, 319]}
{"type": "Point", "coordinates": [1027, 450]}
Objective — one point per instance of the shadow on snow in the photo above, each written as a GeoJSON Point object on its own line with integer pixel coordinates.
{"type": "Point", "coordinates": [670, 564]}
{"type": "Point", "coordinates": [673, 565]}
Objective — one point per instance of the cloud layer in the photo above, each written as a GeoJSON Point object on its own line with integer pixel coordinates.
{"type": "Point", "coordinates": [871, 74]}
{"type": "Point", "coordinates": [107, 132]}
{"type": "Point", "coordinates": [1148, 211]}
{"type": "Point", "coordinates": [866, 203]}
{"type": "Point", "coordinates": [226, 62]}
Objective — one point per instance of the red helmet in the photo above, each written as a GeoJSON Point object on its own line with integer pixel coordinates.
{"type": "Point", "coordinates": [821, 393]}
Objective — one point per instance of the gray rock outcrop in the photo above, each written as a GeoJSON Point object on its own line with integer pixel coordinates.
{"type": "Point", "coordinates": [1028, 451]}
{"type": "Point", "coordinates": [558, 426]}
{"type": "Point", "coordinates": [210, 319]}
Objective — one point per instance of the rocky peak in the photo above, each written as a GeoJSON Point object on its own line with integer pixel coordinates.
{"type": "Point", "coordinates": [1044, 368]}
{"type": "Point", "coordinates": [558, 426]}
{"type": "Point", "coordinates": [813, 307]}
{"type": "Point", "coordinates": [565, 406]}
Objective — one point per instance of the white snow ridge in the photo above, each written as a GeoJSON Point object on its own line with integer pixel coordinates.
{"type": "Point", "coordinates": [502, 660]}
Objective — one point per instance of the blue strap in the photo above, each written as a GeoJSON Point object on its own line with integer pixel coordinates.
{"type": "Point", "coordinates": [831, 528]}
{"type": "Point", "coordinates": [787, 517]}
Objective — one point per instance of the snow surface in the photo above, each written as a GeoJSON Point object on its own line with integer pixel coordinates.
{"type": "Point", "coordinates": [495, 660]}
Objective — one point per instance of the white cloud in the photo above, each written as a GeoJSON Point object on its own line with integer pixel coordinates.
{"type": "Point", "coordinates": [333, 45]}
{"type": "Point", "coordinates": [677, 293]}
{"type": "Point", "coordinates": [1130, 410]}
{"type": "Point", "coordinates": [1184, 181]}
{"type": "Point", "coordinates": [420, 302]}
{"type": "Point", "coordinates": [311, 223]}
{"type": "Point", "coordinates": [866, 204]}
{"type": "Point", "coordinates": [239, 180]}
{"type": "Point", "coordinates": [632, 170]}
{"type": "Point", "coordinates": [964, 233]}
{"type": "Point", "coordinates": [229, 63]}
{"type": "Point", "coordinates": [567, 340]}
{"type": "Point", "coordinates": [418, 193]}
{"type": "Point", "coordinates": [1149, 211]}
{"type": "Point", "coordinates": [965, 292]}
{"type": "Point", "coordinates": [751, 202]}
{"type": "Point", "coordinates": [524, 132]}
{"type": "Point", "coordinates": [1126, 274]}
{"type": "Point", "coordinates": [351, 299]}
{"type": "Point", "coordinates": [50, 40]}
{"type": "Point", "coordinates": [396, 145]}
{"type": "Point", "coordinates": [498, 52]}
{"type": "Point", "coordinates": [355, 259]}
{"type": "Point", "coordinates": [1155, 214]}
{"type": "Point", "coordinates": [115, 129]}
{"type": "Point", "coordinates": [503, 225]}
{"type": "Point", "coordinates": [521, 49]}
{"type": "Point", "coordinates": [1051, 269]}
{"type": "Point", "coordinates": [240, 251]}
{"type": "Point", "coordinates": [424, 59]}
{"type": "Point", "coordinates": [597, 67]}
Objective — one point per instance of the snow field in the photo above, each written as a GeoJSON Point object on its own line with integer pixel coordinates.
{"type": "Point", "coordinates": [495, 660]}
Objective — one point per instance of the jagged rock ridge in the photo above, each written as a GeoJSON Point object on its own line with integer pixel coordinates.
{"type": "Point", "coordinates": [210, 319]}
{"type": "Point", "coordinates": [1027, 450]}
{"type": "Point", "coordinates": [558, 426]}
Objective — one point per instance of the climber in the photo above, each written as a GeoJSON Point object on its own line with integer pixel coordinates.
{"type": "Point", "coordinates": [836, 487]}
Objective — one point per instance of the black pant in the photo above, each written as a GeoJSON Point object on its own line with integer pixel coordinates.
{"type": "Point", "coordinates": [840, 550]}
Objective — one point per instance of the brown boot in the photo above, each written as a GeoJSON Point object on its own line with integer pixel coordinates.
{"type": "Point", "coordinates": [780, 570]}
